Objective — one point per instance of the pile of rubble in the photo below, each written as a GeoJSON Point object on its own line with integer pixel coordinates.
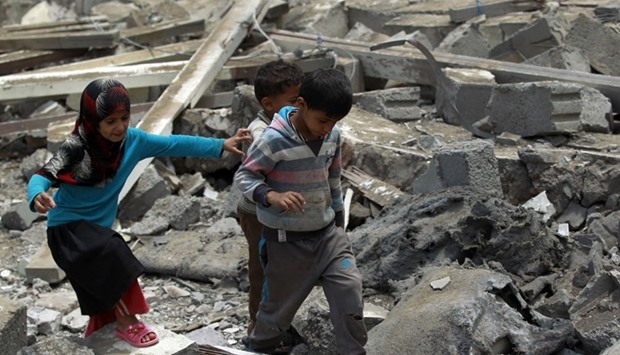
{"type": "Point", "coordinates": [481, 164]}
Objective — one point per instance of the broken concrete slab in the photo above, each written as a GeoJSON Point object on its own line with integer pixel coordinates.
{"type": "Point", "coordinates": [104, 341]}
{"type": "Point", "coordinates": [596, 336]}
{"type": "Point", "coordinates": [470, 163]}
{"type": "Point", "coordinates": [498, 29]}
{"type": "Point", "coordinates": [465, 40]}
{"type": "Point", "coordinates": [492, 322]}
{"type": "Point", "coordinates": [539, 36]}
{"type": "Point", "coordinates": [149, 188]}
{"type": "Point", "coordinates": [562, 56]}
{"type": "Point", "coordinates": [13, 321]}
{"type": "Point", "coordinates": [43, 266]}
{"type": "Point", "coordinates": [600, 44]}
{"type": "Point", "coordinates": [193, 260]}
{"type": "Point", "coordinates": [54, 344]}
{"type": "Point", "coordinates": [321, 18]}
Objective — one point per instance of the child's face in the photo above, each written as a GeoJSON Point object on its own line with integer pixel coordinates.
{"type": "Point", "coordinates": [274, 103]}
{"type": "Point", "coordinates": [114, 127]}
{"type": "Point", "coordinates": [317, 123]}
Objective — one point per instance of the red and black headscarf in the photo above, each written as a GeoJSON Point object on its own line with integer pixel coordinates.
{"type": "Point", "coordinates": [86, 157]}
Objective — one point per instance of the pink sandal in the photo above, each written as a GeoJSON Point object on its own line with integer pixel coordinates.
{"type": "Point", "coordinates": [134, 333]}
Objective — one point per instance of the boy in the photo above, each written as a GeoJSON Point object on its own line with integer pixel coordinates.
{"type": "Point", "coordinates": [276, 85]}
{"type": "Point", "coordinates": [293, 174]}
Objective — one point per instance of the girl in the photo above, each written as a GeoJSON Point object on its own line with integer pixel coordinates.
{"type": "Point", "coordinates": [89, 170]}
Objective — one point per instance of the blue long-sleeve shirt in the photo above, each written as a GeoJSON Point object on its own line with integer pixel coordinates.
{"type": "Point", "coordinates": [100, 204]}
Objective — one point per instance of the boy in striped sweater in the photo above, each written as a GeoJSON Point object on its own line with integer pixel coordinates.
{"type": "Point", "coordinates": [293, 174]}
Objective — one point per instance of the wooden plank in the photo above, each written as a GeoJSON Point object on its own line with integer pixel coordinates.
{"type": "Point", "coordinates": [459, 15]}
{"type": "Point", "coordinates": [165, 53]}
{"type": "Point", "coordinates": [47, 83]}
{"type": "Point", "coordinates": [191, 83]}
{"type": "Point", "coordinates": [164, 31]}
{"type": "Point", "coordinates": [407, 64]}
{"type": "Point", "coordinates": [373, 189]}
{"type": "Point", "coordinates": [18, 61]}
{"type": "Point", "coordinates": [20, 87]}
{"type": "Point", "coordinates": [41, 123]}
{"type": "Point", "coordinates": [59, 23]}
{"type": "Point", "coordinates": [85, 39]}
{"type": "Point", "coordinates": [103, 26]}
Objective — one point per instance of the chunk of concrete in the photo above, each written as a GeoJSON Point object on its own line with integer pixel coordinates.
{"type": "Point", "coordinates": [19, 217]}
{"type": "Point", "coordinates": [463, 99]}
{"type": "Point", "coordinates": [539, 36]}
{"type": "Point", "coordinates": [541, 204]}
{"type": "Point", "coordinates": [497, 29]}
{"type": "Point", "coordinates": [595, 327]}
{"type": "Point", "coordinates": [546, 108]}
{"type": "Point", "coordinates": [396, 104]}
{"type": "Point", "coordinates": [324, 18]}
{"type": "Point", "coordinates": [43, 266]}
{"type": "Point", "coordinates": [434, 26]}
{"type": "Point", "coordinates": [13, 320]}
{"type": "Point", "coordinates": [562, 57]}
{"type": "Point", "coordinates": [471, 163]}
{"type": "Point", "coordinates": [149, 188]}
{"type": "Point", "coordinates": [601, 44]}
{"type": "Point", "coordinates": [465, 40]}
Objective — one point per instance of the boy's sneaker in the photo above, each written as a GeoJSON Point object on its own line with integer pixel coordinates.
{"type": "Point", "coordinates": [245, 341]}
{"type": "Point", "coordinates": [290, 339]}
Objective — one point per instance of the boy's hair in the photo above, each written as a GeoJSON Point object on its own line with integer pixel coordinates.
{"type": "Point", "coordinates": [273, 78]}
{"type": "Point", "coordinates": [327, 90]}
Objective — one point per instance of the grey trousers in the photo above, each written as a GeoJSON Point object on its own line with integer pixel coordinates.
{"type": "Point", "coordinates": [292, 270]}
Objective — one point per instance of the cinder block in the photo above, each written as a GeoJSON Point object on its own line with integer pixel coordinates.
{"type": "Point", "coordinates": [471, 163]}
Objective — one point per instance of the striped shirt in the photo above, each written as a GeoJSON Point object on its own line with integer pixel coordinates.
{"type": "Point", "coordinates": [282, 161]}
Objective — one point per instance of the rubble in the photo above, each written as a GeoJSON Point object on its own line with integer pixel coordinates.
{"type": "Point", "coordinates": [480, 162]}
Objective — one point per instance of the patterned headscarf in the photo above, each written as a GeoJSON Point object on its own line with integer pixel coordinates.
{"type": "Point", "coordinates": [86, 157]}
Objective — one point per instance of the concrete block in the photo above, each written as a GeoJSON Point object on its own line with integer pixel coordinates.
{"type": "Point", "coordinates": [465, 40]}
{"type": "Point", "coordinates": [43, 266]}
{"type": "Point", "coordinates": [497, 29]}
{"type": "Point", "coordinates": [539, 36]}
{"type": "Point", "coordinates": [19, 217]}
{"type": "Point", "coordinates": [470, 163]}
{"type": "Point", "coordinates": [327, 18]}
{"type": "Point", "coordinates": [463, 98]}
{"type": "Point", "coordinates": [537, 108]}
{"type": "Point", "coordinates": [13, 320]}
{"type": "Point", "coordinates": [434, 27]}
{"type": "Point", "coordinates": [149, 188]}
{"type": "Point", "coordinates": [373, 15]}
{"type": "Point", "coordinates": [396, 104]}
{"type": "Point", "coordinates": [562, 57]}
{"type": "Point", "coordinates": [601, 44]}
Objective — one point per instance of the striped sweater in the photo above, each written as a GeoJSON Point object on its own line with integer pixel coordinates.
{"type": "Point", "coordinates": [281, 161]}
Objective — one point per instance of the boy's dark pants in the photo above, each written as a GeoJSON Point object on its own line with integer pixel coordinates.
{"type": "Point", "coordinates": [252, 229]}
{"type": "Point", "coordinates": [293, 269]}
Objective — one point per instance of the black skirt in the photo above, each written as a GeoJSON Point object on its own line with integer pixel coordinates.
{"type": "Point", "coordinates": [97, 261]}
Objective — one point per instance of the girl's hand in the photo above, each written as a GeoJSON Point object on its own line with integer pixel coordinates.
{"type": "Point", "coordinates": [43, 203]}
{"type": "Point", "coordinates": [231, 144]}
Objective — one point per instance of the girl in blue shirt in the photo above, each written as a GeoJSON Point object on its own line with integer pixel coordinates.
{"type": "Point", "coordinates": [89, 170]}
